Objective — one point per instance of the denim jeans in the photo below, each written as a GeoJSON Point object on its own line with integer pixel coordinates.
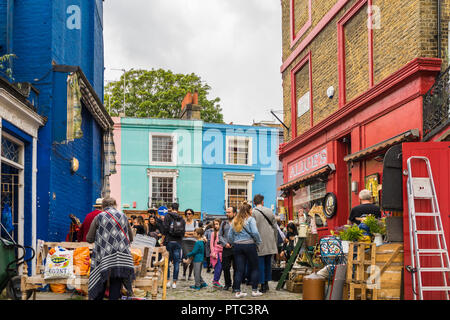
{"type": "Point", "coordinates": [218, 268]}
{"type": "Point", "coordinates": [265, 268]}
{"type": "Point", "coordinates": [174, 249]}
{"type": "Point", "coordinates": [245, 254]}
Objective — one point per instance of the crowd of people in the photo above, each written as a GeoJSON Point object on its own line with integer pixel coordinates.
{"type": "Point", "coordinates": [237, 250]}
{"type": "Point", "coordinates": [245, 242]}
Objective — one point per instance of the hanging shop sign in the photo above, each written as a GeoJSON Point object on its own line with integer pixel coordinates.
{"type": "Point", "coordinates": [308, 164]}
{"type": "Point", "coordinates": [330, 205]}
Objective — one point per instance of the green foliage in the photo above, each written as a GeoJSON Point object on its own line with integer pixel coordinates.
{"type": "Point", "coordinates": [375, 225]}
{"type": "Point", "coordinates": [353, 233]}
{"type": "Point", "coordinates": [5, 64]}
{"type": "Point", "coordinates": [158, 94]}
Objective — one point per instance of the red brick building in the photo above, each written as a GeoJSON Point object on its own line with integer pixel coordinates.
{"type": "Point", "coordinates": [358, 79]}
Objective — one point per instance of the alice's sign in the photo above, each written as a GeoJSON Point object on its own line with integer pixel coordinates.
{"type": "Point", "coordinates": [308, 164]}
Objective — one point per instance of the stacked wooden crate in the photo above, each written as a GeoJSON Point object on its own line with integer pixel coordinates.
{"type": "Point", "coordinates": [389, 260]}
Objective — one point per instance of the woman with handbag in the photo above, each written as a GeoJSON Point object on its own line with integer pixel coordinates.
{"type": "Point", "coordinates": [111, 257]}
{"type": "Point", "coordinates": [244, 237]}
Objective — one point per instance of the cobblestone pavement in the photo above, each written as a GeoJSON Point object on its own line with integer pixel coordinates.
{"type": "Point", "coordinates": [183, 292]}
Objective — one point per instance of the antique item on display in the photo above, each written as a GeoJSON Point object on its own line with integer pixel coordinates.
{"type": "Point", "coordinates": [330, 205]}
{"type": "Point", "coordinates": [371, 183]}
{"type": "Point", "coordinates": [318, 210]}
{"type": "Point", "coordinates": [313, 287]}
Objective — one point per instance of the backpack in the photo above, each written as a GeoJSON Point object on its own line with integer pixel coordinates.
{"type": "Point", "coordinates": [177, 227]}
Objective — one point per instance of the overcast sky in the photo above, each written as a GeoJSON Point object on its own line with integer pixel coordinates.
{"type": "Point", "coordinates": [233, 45]}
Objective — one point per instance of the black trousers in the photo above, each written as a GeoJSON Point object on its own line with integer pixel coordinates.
{"type": "Point", "coordinates": [115, 286]}
{"type": "Point", "coordinates": [228, 261]}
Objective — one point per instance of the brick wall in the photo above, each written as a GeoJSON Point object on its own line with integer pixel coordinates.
{"type": "Point", "coordinates": [406, 30]}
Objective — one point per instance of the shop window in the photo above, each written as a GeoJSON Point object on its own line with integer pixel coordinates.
{"type": "Point", "coordinates": [307, 196]}
{"type": "Point", "coordinates": [239, 150]}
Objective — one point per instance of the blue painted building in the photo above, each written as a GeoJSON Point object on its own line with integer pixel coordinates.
{"type": "Point", "coordinates": [211, 166]}
{"type": "Point", "coordinates": [52, 40]}
{"type": "Point", "coordinates": [238, 163]}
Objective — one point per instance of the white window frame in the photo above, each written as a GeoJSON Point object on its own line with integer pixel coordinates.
{"type": "Point", "coordinates": [169, 173]}
{"type": "Point", "coordinates": [21, 180]}
{"type": "Point", "coordinates": [243, 177]}
{"type": "Point", "coordinates": [250, 148]}
{"type": "Point", "coordinates": [174, 149]}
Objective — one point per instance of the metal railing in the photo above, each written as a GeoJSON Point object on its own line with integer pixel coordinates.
{"type": "Point", "coordinates": [436, 102]}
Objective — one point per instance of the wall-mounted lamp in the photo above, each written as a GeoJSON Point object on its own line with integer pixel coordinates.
{"type": "Point", "coordinates": [355, 186]}
{"type": "Point", "coordinates": [74, 165]}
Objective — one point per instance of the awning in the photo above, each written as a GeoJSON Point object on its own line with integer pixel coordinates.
{"type": "Point", "coordinates": [410, 135]}
{"type": "Point", "coordinates": [319, 173]}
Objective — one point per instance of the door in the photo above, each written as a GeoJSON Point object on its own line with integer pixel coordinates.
{"type": "Point", "coordinates": [439, 155]}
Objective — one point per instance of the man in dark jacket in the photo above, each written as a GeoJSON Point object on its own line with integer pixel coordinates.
{"type": "Point", "coordinates": [174, 229]}
{"type": "Point", "coordinates": [227, 253]}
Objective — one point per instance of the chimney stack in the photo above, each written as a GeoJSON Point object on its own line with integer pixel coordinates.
{"type": "Point", "coordinates": [190, 109]}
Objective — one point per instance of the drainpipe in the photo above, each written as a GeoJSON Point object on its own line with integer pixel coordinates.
{"type": "Point", "coordinates": [9, 29]}
{"type": "Point", "coordinates": [439, 36]}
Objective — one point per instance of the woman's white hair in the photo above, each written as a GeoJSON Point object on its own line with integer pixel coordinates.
{"type": "Point", "coordinates": [365, 195]}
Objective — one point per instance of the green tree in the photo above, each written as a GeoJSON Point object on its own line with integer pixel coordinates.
{"type": "Point", "coordinates": [158, 94]}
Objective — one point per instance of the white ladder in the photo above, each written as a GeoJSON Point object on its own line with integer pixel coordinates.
{"type": "Point", "coordinates": [423, 188]}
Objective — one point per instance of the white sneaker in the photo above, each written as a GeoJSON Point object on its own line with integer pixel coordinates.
{"type": "Point", "coordinates": [241, 294]}
{"type": "Point", "coordinates": [174, 285]}
{"type": "Point", "coordinates": [256, 293]}
{"type": "Point", "coordinates": [168, 284]}
{"type": "Point", "coordinates": [190, 278]}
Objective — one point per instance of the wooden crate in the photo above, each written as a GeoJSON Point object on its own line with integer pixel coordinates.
{"type": "Point", "coordinates": [360, 268]}
{"type": "Point", "coordinates": [295, 287]}
{"type": "Point", "coordinates": [389, 260]}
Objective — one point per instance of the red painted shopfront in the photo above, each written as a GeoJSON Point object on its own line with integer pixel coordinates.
{"type": "Point", "coordinates": [342, 153]}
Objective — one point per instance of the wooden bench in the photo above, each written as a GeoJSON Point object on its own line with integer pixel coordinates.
{"type": "Point", "coordinates": [151, 273]}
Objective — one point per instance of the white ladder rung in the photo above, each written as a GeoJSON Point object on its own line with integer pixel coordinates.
{"type": "Point", "coordinates": [437, 251]}
{"type": "Point", "coordinates": [436, 269]}
{"type": "Point", "coordinates": [429, 232]}
{"type": "Point", "coordinates": [436, 288]}
{"type": "Point", "coordinates": [426, 214]}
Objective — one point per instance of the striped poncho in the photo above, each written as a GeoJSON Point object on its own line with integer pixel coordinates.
{"type": "Point", "coordinates": [111, 256]}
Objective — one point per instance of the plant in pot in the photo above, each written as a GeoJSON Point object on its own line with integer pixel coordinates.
{"type": "Point", "coordinates": [377, 228]}
{"type": "Point", "coordinates": [349, 234]}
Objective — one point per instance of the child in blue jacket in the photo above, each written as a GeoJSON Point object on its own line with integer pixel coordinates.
{"type": "Point", "coordinates": [197, 255]}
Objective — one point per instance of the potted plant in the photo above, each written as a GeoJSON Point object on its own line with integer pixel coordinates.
{"type": "Point", "coordinates": [349, 234]}
{"type": "Point", "coordinates": [377, 228]}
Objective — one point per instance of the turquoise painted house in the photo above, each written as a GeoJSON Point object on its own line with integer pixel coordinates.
{"type": "Point", "coordinates": [158, 162]}
{"type": "Point", "coordinates": [202, 166]}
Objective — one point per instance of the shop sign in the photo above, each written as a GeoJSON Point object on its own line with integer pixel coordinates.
{"type": "Point", "coordinates": [308, 164]}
